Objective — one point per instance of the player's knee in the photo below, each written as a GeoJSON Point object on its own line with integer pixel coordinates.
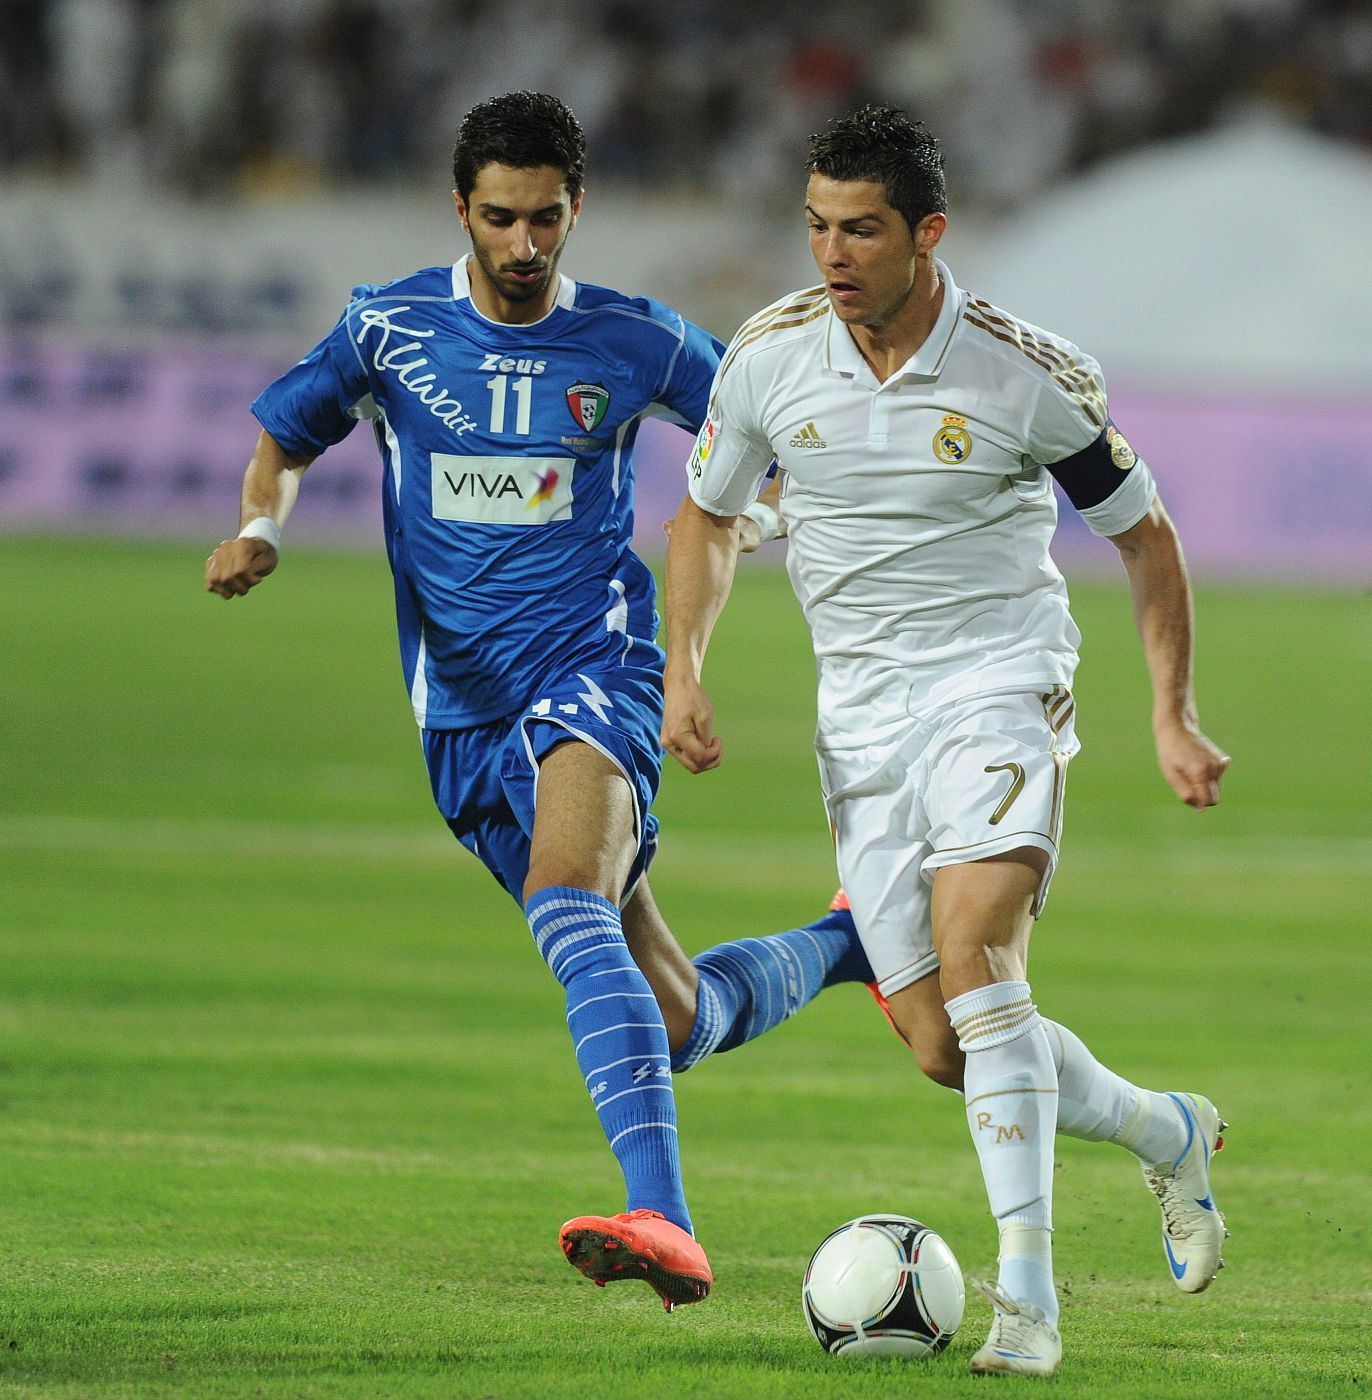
{"type": "Point", "coordinates": [564, 874]}
{"type": "Point", "coordinates": [941, 1062]}
{"type": "Point", "coordinates": [978, 945]}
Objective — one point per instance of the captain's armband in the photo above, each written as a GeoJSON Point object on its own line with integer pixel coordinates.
{"type": "Point", "coordinates": [1107, 481]}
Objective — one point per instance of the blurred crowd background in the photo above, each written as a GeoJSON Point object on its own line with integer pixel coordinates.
{"type": "Point", "coordinates": [190, 188]}
{"type": "Point", "coordinates": [278, 96]}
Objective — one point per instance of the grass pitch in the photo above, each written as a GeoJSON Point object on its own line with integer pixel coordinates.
{"type": "Point", "coordinates": [287, 1106]}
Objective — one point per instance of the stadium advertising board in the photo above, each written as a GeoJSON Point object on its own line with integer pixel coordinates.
{"type": "Point", "coordinates": [153, 439]}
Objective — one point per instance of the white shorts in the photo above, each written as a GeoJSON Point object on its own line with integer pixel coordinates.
{"type": "Point", "coordinates": [966, 781]}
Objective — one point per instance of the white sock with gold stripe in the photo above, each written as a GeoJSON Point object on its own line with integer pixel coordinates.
{"type": "Point", "coordinates": [1011, 1089]}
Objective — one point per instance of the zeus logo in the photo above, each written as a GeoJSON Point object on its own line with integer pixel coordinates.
{"type": "Point", "coordinates": [595, 698]}
{"type": "Point", "coordinates": [506, 364]}
{"type": "Point", "coordinates": [598, 1090]}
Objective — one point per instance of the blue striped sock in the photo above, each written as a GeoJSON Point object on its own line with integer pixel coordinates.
{"type": "Point", "coordinates": [751, 985]}
{"type": "Point", "coordinates": [620, 1041]}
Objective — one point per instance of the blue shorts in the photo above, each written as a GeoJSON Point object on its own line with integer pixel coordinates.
{"type": "Point", "coordinates": [485, 779]}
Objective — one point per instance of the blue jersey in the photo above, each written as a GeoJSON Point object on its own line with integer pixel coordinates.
{"type": "Point", "coordinates": [508, 480]}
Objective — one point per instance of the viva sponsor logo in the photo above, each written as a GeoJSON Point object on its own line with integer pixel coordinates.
{"type": "Point", "coordinates": [510, 490]}
{"type": "Point", "coordinates": [547, 485]}
{"type": "Point", "coordinates": [393, 354]}
{"type": "Point", "coordinates": [479, 484]}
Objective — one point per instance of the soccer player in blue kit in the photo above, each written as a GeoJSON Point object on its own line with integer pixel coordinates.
{"type": "Point", "coordinates": [505, 400]}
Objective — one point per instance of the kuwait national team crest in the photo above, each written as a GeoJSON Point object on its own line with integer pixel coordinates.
{"type": "Point", "coordinates": [588, 403]}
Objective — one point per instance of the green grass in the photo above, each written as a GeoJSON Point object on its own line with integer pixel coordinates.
{"type": "Point", "coordinates": [286, 1103]}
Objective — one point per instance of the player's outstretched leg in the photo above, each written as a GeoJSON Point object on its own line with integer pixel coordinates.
{"type": "Point", "coordinates": [749, 986]}
{"type": "Point", "coordinates": [1174, 1136]}
{"type": "Point", "coordinates": [621, 1046]}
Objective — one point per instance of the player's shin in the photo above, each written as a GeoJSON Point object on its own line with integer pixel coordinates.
{"type": "Point", "coordinates": [1011, 1092]}
{"type": "Point", "coordinates": [619, 1039]}
{"type": "Point", "coordinates": [749, 986]}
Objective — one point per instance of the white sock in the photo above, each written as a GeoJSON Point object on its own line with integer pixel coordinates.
{"type": "Point", "coordinates": [1155, 1132]}
{"type": "Point", "coordinates": [1026, 1266]}
{"type": "Point", "coordinates": [1011, 1090]}
{"type": "Point", "coordinates": [1096, 1105]}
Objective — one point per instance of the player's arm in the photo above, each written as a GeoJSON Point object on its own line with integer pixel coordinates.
{"type": "Point", "coordinates": [763, 520]}
{"type": "Point", "coordinates": [685, 394]}
{"type": "Point", "coordinates": [728, 464]}
{"type": "Point", "coordinates": [759, 522]}
{"type": "Point", "coordinates": [702, 553]}
{"type": "Point", "coordinates": [1113, 490]}
{"type": "Point", "coordinates": [270, 486]}
{"type": "Point", "coordinates": [1164, 614]}
{"type": "Point", "coordinates": [303, 412]}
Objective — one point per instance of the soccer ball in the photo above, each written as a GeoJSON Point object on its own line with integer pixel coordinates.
{"type": "Point", "coordinates": [883, 1285]}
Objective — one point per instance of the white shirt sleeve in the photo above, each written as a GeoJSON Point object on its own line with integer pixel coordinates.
{"type": "Point", "coordinates": [1070, 412]}
{"type": "Point", "coordinates": [732, 453]}
{"type": "Point", "coordinates": [1071, 434]}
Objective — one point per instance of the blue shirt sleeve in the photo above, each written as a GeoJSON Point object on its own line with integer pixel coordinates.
{"type": "Point", "coordinates": [686, 389]}
{"type": "Point", "coordinates": [310, 407]}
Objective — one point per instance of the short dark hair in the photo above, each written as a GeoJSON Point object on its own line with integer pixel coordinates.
{"type": "Point", "coordinates": [523, 130]}
{"type": "Point", "coordinates": [884, 145]}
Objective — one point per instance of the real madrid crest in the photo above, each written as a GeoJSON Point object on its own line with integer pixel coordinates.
{"type": "Point", "coordinates": [952, 442]}
{"type": "Point", "coordinates": [1121, 454]}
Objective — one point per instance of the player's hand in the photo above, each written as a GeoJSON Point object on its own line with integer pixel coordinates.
{"type": "Point", "coordinates": [749, 536]}
{"type": "Point", "coordinates": [238, 565]}
{"type": "Point", "coordinates": [1192, 765]}
{"type": "Point", "coordinates": [688, 723]}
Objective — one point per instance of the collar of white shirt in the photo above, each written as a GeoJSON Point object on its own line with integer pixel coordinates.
{"type": "Point", "coordinates": [842, 357]}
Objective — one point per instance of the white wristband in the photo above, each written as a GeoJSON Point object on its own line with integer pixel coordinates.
{"type": "Point", "coordinates": [262, 528]}
{"type": "Point", "coordinates": [766, 519]}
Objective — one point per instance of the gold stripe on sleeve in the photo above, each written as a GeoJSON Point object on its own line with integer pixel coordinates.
{"type": "Point", "coordinates": [1088, 391]}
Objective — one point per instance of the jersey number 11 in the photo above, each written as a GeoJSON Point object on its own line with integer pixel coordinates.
{"type": "Point", "coordinates": [524, 399]}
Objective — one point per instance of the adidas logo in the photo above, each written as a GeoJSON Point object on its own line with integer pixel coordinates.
{"type": "Point", "coordinates": [808, 436]}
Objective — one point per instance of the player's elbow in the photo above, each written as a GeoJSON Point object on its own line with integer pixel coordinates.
{"type": "Point", "coordinates": [271, 453]}
{"type": "Point", "coordinates": [696, 514]}
{"type": "Point", "coordinates": [1149, 535]}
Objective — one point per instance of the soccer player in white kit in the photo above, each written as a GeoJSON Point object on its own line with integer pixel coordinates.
{"type": "Point", "coordinates": [918, 430]}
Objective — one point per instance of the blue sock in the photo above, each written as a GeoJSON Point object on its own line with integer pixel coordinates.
{"type": "Point", "coordinates": [620, 1041]}
{"type": "Point", "coordinates": [751, 985]}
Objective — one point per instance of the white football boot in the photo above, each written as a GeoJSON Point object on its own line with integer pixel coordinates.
{"type": "Point", "coordinates": [1193, 1230]}
{"type": "Point", "coordinates": [1022, 1341]}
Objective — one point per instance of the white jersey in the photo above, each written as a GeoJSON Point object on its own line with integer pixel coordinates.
{"type": "Point", "coordinates": [921, 509]}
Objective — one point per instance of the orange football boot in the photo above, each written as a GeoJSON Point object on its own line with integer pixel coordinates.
{"type": "Point", "coordinates": [639, 1244]}
{"type": "Point", "coordinates": [840, 901]}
